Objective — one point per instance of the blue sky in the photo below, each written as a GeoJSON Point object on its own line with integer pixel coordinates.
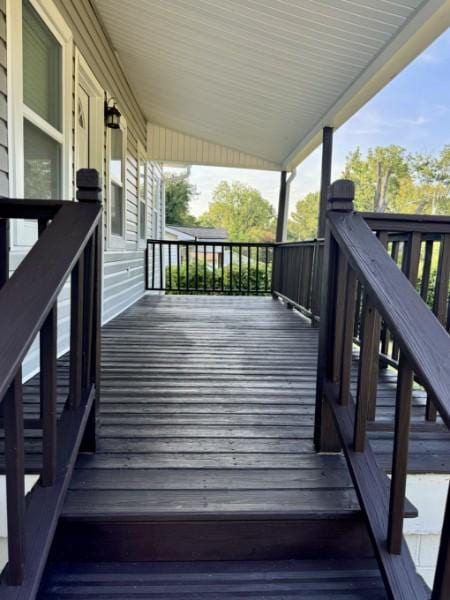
{"type": "Point", "coordinates": [413, 111]}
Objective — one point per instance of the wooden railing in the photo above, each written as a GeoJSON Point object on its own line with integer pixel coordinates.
{"type": "Point", "coordinates": [69, 246]}
{"type": "Point", "coordinates": [418, 244]}
{"type": "Point", "coordinates": [209, 267]}
{"type": "Point", "coordinates": [296, 276]}
{"type": "Point", "coordinates": [354, 256]}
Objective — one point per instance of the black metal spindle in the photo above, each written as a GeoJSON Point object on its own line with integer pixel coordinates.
{"type": "Point", "coordinates": [161, 266]}
{"type": "Point", "coordinates": [257, 269]}
{"type": "Point", "coordinates": [196, 266]}
{"type": "Point", "coordinates": [204, 268]}
{"type": "Point", "coordinates": [214, 268]}
{"type": "Point", "coordinates": [187, 266]}
{"type": "Point", "coordinates": [266, 267]}
{"type": "Point", "coordinates": [240, 268]}
{"type": "Point", "coordinates": [170, 266]}
{"type": "Point", "coordinates": [223, 257]}
{"type": "Point", "coordinates": [153, 265]}
{"type": "Point", "coordinates": [178, 267]}
{"type": "Point", "coordinates": [249, 249]}
{"type": "Point", "coordinates": [231, 267]}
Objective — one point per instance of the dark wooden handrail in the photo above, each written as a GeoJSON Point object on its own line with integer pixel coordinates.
{"type": "Point", "coordinates": [423, 339]}
{"type": "Point", "coordinates": [69, 246]}
{"type": "Point", "coordinates": [44, 270]}
{"type": "Point", "coordinates": [356, 259]}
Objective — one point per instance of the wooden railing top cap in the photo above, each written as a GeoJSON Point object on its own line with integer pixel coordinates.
{"type": "Point", "coordinates": [89, 184]}
{"type": "Point", "coordinates": [341, 194]}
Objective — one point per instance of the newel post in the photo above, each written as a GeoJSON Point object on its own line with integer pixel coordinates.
{"type": "Point", "coordinates": [340, 199]}
{"type": "Point", "coordinates": [89, 189]}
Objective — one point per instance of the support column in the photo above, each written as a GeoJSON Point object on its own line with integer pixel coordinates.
{"type": "Point", "coordinates": [281, 233]}
{"type": "Point", "coordinates": [327, 154]}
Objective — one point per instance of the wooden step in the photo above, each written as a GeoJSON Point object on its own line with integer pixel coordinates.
{"type": "Point", "coordinates": [216, 537]}
{"type": "Point", "coordinates": [319, 579]}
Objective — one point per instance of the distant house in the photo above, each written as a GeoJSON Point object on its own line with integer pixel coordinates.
{"type": "Point", "coordinates": [197, 234]}
{"type": "Point", "coordinates": [210, 236]}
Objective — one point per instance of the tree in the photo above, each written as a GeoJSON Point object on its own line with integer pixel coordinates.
{"type": "Point", "coordinates": [378, 177]}
{"type": "Point", "coordinates": [432, 176]}
{"type": "Point", "coordinates": [242, 211]}
{"type": "Point", "coordinates": [302, 224]}
{"type": "Point", "coordinates": [179, 194]}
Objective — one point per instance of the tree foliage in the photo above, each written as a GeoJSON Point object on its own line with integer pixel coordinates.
{"type": "Point", "coordinates": [179, 193]}
{"type": "Point", "coordinates": [387, 179]}
{"type": "Point", "coordinates": [302, 224]}
{"type": "Point", "coordinates": [242, 211]}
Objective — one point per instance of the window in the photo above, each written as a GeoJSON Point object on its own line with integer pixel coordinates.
{"type": "Point", "coordinates": [42, 107]}
{"type": "Point", "coordinates": [142, 197]}
{"type": "Point", "coordinates": [117, 196]}
{"type": "Point", "coordinates": [40, 68]}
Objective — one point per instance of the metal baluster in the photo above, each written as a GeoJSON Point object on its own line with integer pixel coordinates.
{"type": "Point", "coordinates": [214, 268]}
{"type": "Point", "coordinates": [230, 249]}
{"type": "Point", "coordinates": [170, 266]}
{"type": "Point", "coordinates": [257, 269]}
{"type": "Point", "coordinates": [178, 267]}
{"type": "Point", "coordinates": [196, 266]}
{"type": "Point", "coordinates": [240, 269]}
{"type": "Point", "coordinates": [204, 268]}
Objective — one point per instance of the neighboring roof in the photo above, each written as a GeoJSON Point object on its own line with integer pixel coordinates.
{"type": "Point", "coordinates": [253, 83]}
{"type": "Point", "coordinates": [202, 233]}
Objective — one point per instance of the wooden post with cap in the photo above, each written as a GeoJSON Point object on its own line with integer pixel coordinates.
{"type": "Point", "coordinates": [340, 198]}
{"type": "Point", "coordinates": [89, 189]}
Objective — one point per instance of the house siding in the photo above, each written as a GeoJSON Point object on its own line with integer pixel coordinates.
{"type": "Point", "coordinates": [124, 277]}
{"type": "Point", "coordinates": [124, 280]}
{"type": "Point", "coordinates": [4, 171]}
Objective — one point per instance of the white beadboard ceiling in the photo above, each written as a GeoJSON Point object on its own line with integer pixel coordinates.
{"type": "Point", "coordinates": [260, 78]}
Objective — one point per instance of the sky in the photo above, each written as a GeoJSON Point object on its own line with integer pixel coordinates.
{"type": "Point", "coordinates": [413, 111]}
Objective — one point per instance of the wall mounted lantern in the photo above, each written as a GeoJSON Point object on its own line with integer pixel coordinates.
{"type": "Point", "coordinates": [112, 114]}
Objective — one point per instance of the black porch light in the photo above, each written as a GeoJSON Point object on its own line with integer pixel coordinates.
{"type": "Point", "coordinates": [112, 114]}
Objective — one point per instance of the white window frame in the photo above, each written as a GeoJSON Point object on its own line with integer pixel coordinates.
{"type": "Point", "coordinates": [114, 241]}
{"type": "Point", "coordinates": [86, 78]}
{"type": "Point", "coordinates": [142, 161]}
{"type": "Point", "coordinates": [17, 110]}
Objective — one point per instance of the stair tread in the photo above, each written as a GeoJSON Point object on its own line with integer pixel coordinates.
{"type": "Point", "coordinates": [351, 579]}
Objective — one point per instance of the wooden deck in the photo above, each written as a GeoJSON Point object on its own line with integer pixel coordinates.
{"type": "Point", "coordinates": [208, 406]}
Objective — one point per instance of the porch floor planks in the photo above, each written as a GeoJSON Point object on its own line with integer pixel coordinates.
{"type": "Point", "coordinates": [213, 397]}
{"type": "Point", "coordinates": [206, 410]}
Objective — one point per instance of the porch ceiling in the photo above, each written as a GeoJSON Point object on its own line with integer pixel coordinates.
{"type": "Point", "coordinates": [261, 77]}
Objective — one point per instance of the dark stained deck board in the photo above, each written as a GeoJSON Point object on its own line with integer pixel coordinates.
{"type": "Point", "coordinates": [219, 391]}
{"type": "Point", "coordinates": [207, 409]}
{"type": "Point", "coordinates": [324, 579]}
{"type": "Point", "coordinates": [154, 465]}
